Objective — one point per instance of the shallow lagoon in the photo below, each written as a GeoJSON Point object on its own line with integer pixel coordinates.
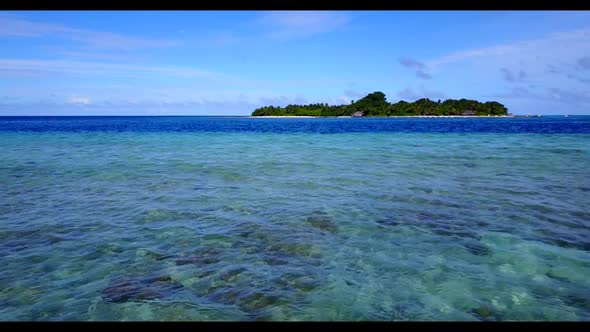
{"type": "Point", "coordinates": [294, 219]}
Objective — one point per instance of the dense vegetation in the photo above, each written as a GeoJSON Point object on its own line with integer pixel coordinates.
{"type": "Point", "coordinates": [375, 104]}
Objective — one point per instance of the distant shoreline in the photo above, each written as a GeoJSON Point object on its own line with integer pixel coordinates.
{"type": "Point", "coordinates": [393, 116]}
{"type": "Point", "coordinates": [376, 104]}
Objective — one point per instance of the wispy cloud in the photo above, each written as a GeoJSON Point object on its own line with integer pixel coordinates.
{"type": "Point", "coordinates": [575, 71]}
{"type": "Point", "coordinates": [557, 53]}
{"type": "Point", "coordinates": [342, 100]}
{"type": "Point", "coordinates": [220, 39]}
{"type": "Point", "coordinates": [551, 69]}
{"type": "Point", "coordinates": [129, 107]}
{"type": "Point", "coordinates": [275, 101]}
{"type": "Point", "coordinates": [353, 93]}
{"type": "Point", "coordinates": [412, 95]}
{"type": "Point", "coordinates": [561, 45]}
{"type": "Point", "coordinates": [40, 67]}
{"type": "Point", "coordinates": [78, 100]}
{"type": "Point", "coordinates": [511, 77]}
{"type": "Point", "coordinates": [294, 24]}
{"type": "Point", "coordinates": [205, 104]}
{"type": "Point", "coordinates": [93, 55]}
{"type": "Point", "coordinates": [418, 66]}
{"type": "Point", "coordinates": [412, 63]}
{"type": "Point", "coordinates": [300, 100]}
{"type": "Point", "coordinates": [563, 55]}
{"type": "Point", "coordinates": [578, 78]}
{"type": "Point", "coordinates": [570, 96]}
{"type": "Point", "coordinates": [423, 75]}
{"type": "Point", "coordinates": [517, 93]}
{"type": "Point", "coordinates": [575, 96]}
{"type": "Point", "coordinates": [284, 100]}
{"type": "Point", "coordinates": [584, 62]}
{"type": "Point", "coordinates": [16, 27]}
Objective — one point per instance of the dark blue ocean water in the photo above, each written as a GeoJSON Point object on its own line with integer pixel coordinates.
{"type": "Point", "coordinates": [547, 124]}
{"type": "Point", "coordinates": [229, 218]}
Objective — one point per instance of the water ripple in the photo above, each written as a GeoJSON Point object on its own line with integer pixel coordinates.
{"type": "Point", "coordinates": [273, 222]}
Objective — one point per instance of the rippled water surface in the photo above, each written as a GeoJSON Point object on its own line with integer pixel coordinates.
{"type": "Point", "coordinates": [194, 218]}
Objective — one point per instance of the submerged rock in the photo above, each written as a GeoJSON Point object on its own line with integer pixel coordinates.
{"type": "Point", "coordinates": [258, 300]}
{"type": "Point", "coordinates": [264, 315]}
{"type": "Point", "coordinates": [248, 301]}
{"type": "Point", "coordinates": [323, 223]}
{"type": "Point", "coordinates": [204, 273]}
{"type": "Point", "coordinates": [477, 248]}
{"type": "Point", "coordinates": [251, 249]}
{"type": "Point", "coordinates": [248, 247]}
{"type": "Point", "coordinates": [197, 260]}
{"type": "Point", "coordinates": [431, 217]}
{"type": "Point", "coordinates": [446, 230]}
{"type": "Point", "coordinates": [388, 222]}
{"type": "Point", "coordinates": [4, 304]}
{"type": "Point", "coordinates": [485, 313]}
{"type": "Point", "coordinates": [157, 215]}
{"type": "Point", "coordinates": [200, 257]}
{"type": "Point", "coordinates": [313, 261]}
{"type": "Point", "coordinates": [53, 238]}
{"type": "Point", "coordinates": [296, 249]}
{"type": "Point", "coordinates": [302, 280]}
{"type": "Point", "coordinates": [224, 295]}
{"type": "Point", "coordinates": [576, 300]}
{"type": "Point", "coordinates": [568, 243]}
{"type": "Point", "coordinates": [138, 289]}
{"type": "Point", "coordinates": [482, 311]}
{"type": "Point", "coordinates": [151, 254]}
{"type": "Point", "coordinates": [232, 274]}
{"type": "Point", "coordinates": [562, 274]}
{"type": "Point", "coordinates": [303, 284]}
{"type": "Point", "coordinates": [275, 261]}
{"type": "Point", "coordinates": [246, 233]}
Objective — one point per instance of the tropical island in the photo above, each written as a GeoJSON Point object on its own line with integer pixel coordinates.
{"type": "Point", "coordinates": [375, 104]}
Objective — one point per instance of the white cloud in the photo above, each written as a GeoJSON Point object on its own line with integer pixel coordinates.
{"type": "Point", "coordinates": [135, 107]}
{"type": "Point", "coordinates": [28, 67]}
{"type": "Point", "coordinates": [555, 48]}
{"type": "Point", "coordinates": [220, 39]}
{"type": "Point", "coordinates": [68, 54]}
{"type": "Point", "coordinates": [78, 100]}
{"type": "Point", "coordinates": [16, 27]}
{"type": "Point", "coordinates": [343, 100]}
{"type": "Point", "coordinates": [350, 93]}
{"type": "Point", "coordinates": [551, 66]}
{"type": "Point", "coordinates": [573, 96]}
{"type": "Point", "coordinates": [293, 24]}
{"type": "Point", "coordinates": [412, 95]}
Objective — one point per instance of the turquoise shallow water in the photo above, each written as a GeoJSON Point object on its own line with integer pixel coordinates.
{"type": "Point", "coordinates": [166, 225]}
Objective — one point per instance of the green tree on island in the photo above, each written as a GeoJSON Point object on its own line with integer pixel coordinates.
{"type": "Point", "coordinates": [376, 104]}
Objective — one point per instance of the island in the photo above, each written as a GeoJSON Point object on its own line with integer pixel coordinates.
{"type": "Point", "coordinates": [375, 104]}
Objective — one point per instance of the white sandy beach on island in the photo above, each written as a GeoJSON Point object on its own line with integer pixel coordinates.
{"type": "Point", "coordinates": [285, 116]}
{"type": "Point", "coordinates": [449, 116]}
{"type": "Point", "coordinates": [393, 116]}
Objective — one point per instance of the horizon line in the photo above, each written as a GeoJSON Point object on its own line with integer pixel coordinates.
{"type": "Point", "coordinates": [250, 116]}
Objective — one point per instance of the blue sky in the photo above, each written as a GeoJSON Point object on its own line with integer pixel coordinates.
{"type": "Point", "coordinates": [230, 62]}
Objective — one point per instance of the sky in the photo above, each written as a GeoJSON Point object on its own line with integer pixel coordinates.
{"type": "Point", "coordinates": [231, 62]}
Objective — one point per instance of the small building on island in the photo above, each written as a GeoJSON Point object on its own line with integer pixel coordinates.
{"type": "Point", "coordinates": [468, 113]}
{"type": "Point", "coordinates": [357, 114]}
